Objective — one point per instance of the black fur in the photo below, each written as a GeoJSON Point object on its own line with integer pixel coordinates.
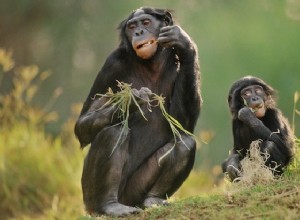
{"type": "Point", "coordinates": [246, 127]}
{"type": "Point", "coordinates": [131, 176]}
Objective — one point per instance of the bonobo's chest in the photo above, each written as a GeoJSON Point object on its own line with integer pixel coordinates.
{"type": "Point", "coordinates": [160, 80]}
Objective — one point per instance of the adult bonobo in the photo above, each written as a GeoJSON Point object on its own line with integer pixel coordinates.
{"type": "Point", "coordinates": [154, 56]}
{"type": "Point", "coordinates": [255, 117]}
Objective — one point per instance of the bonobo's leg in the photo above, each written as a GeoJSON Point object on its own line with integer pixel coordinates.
{"type": "Point", "coordinates": [154, 181]}
{"type": "Point", "coordinates": [102, 175]}
{"type": "Point", "coordinates": [232, 166]}
{"type": "Point", "coordinates": [275, 159]}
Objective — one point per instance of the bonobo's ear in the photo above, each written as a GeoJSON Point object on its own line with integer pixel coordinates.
{"type": "Point", "coordinates": [168, 20]}
{"type": "Point", "coordinates": [229, 99]}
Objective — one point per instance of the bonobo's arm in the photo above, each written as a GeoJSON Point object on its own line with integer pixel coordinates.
{"type": "Point", "coordinates": [93, 120]}
{"type": "Point", "coordinates": [186, 99]}
{"type": "Point", "coordinates": [249, 118]}
{"type": "Point", "coordinates": [100, 114]}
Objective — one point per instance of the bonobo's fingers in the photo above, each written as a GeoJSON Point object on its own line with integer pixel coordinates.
{"type": "Point", "coordinates": [245, 114]}
{"type": "Point", "coordinates": [233, 172]}
{"type": "Point", "coordinates": [143, 95]}
{"type": "Point", "coordinates": [98, 104]}
{"type": "Point", "coordinates": [232, 167]}
{"type": "Point", "coordinates": [173, 36]}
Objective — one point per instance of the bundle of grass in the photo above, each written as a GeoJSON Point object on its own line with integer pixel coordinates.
{"type": "Point", "coordinates": [121, 101]}
{"type": "Point", "coordinates": [124, 99]}
{"type": "Point", "coordinates": [254, 171]}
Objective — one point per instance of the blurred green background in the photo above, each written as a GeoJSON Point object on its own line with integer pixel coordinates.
{"type": "Point", "coordinates": [40, 167]}
{"type": "Point", "coordinates": [235, 38]}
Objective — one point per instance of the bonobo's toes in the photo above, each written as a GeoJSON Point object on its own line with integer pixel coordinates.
{"type": "Point", "coordinates": [154, 201]}
{"type": "Point", "coordinates": [118, 209]}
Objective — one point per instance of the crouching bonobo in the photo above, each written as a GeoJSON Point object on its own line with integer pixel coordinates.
{"type": "Point", "coordinates": [158, 56]}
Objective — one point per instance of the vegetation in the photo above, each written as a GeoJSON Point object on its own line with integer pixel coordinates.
{"type": "Point", "coordinates": [277, 200]}
{"type": "Point", "coordinates": [39, 174]}
{"type": "Point", "coordinates": [267, 199]}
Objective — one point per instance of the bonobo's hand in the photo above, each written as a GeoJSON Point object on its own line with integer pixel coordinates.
{"type": "Point", "coordinates": [175, 36]}
{"type": "Point", "coordinates": [246, 115]}
{"type": "Point", "coordinates": [98, 104]}
{"type": "Point", "coordinates": [233, 168]}
{"type": "Point", "coordinates": [142, 96]}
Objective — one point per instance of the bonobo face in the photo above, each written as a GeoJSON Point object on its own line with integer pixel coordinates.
{"type": "Point", "coordinates": [142, 31]}
{"type": "Point", "coordinates": [254, 97]}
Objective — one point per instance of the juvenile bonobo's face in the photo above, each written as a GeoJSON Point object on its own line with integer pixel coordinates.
{"type": "Point", "coordinates": [142, 31]}
{"type": "Point", "coordinates": [254, 97]}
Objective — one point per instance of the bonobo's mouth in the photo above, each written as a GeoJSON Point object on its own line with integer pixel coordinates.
{"type": "Point", "coordinates": [257, 106]}
{"type": "Point", "coordinates": [145, 44]}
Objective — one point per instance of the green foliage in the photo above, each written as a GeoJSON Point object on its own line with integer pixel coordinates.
{"type": "Point", "coordinates": [17, 103]}
{"type": "Point", "coordinates": [37, 174]}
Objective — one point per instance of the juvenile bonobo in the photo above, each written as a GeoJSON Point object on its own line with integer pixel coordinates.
{"type": "Point", "coordinates": [154, 56]}
{"type": "Point", "coordinates": [255, 117]}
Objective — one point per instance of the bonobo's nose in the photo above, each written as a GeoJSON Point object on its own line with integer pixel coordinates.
{"type": "Point", "coordinates": [139, 32]}
{"type": "Point", "coordinates": [254, 99]}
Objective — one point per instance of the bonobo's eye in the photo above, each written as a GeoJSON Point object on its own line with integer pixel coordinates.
{"type": "Point", "coordinates": [247, 93]}
{"type": "Point", "coordinates": [146, 22]}
{"type": "Point", "coordinates": [131, 25]}
{"type": "Point", "coordinates": [259, 90]}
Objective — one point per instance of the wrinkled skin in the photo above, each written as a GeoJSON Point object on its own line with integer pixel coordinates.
{"type": "Point", "coordinates": [154, 56]}
{"type": "Point", "coordinates": [255, 117]}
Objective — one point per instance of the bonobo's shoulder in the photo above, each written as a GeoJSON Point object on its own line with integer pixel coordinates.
{"type": "Point", "coordinates": [117, 57]}
{"type": "Point", "coordinates": [113, 67]}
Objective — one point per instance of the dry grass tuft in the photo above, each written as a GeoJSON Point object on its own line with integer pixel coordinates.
{"type": "Point", "coordinates": [254, 170]}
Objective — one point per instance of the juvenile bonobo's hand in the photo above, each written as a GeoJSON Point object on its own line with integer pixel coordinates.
{"type": "Point", "coordinates": [246, 115]}
{"type": "Point", "coordinates": [233, 168]}
{"type": "Point", "coordinates": [174, 36]}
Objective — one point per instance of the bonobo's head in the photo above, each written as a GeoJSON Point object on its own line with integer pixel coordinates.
{"type": "Point", "coordinates": [252, 92]}
{"type": "Point", "coordinates": [139, 32]}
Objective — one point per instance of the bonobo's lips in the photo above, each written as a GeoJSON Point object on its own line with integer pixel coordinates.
{"type": "Point", "coordinates": [145, 44]}
{"type": "Point", "coordinates": [257, 106]}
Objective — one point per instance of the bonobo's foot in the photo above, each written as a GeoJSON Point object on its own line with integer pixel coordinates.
{"type": "Point", "coordinates": [118, 209]}
{"type": "Point", "coordinates": [153, 201]}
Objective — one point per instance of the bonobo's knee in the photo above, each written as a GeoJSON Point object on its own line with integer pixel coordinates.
{"type": "Point", "coordinates": [274, 158]}
{"type": "Point", "coordinates": [268, 147]}
{"type": "Point", "coordinates": [186, 146]}
{"type": "Point", "coordinates": [183, 151]}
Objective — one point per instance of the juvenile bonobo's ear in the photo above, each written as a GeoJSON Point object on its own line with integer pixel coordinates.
{"type": "Point", "coordinates": [229, 100]}
{"type": "Point", "coordinates": [168, 20]}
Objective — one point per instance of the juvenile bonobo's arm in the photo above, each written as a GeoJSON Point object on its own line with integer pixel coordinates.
{"type": "Point", "coordinates": [186, 99]}
{"type": "Point", "coordinates": [248, 117]}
